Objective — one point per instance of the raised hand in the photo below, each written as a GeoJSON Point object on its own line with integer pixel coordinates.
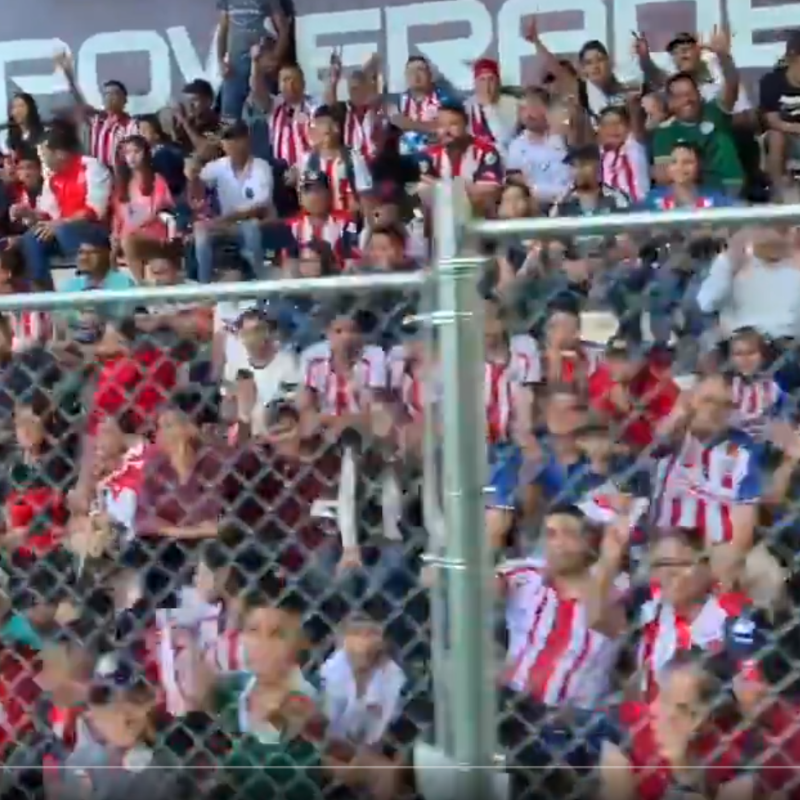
{"type": "Point", "coordinates": [719, 42]}
{"type": "Point", "coordinates": [64, 62]}
{"type": "Point", "coordinates": [640, 46]}
{"type": "Point", "coordinates": [530, 31]}
{"type": "Point", "coordinates": [335, 69]}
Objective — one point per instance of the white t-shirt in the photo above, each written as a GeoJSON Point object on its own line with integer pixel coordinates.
{"type": "Point", "coordinates": [239, 191]}
{"type": "Point", "coordinates": [541, 162]}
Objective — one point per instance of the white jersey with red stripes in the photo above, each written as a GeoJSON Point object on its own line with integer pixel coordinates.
{"type": "Point", "coordinates": [553, 654]}
{"type": "Point", "coordinates": [343, 393]}
{"type": "Point", "coordinates": [496, 123]}
{"type": "Point", "coordinates": [345, 181]}
{"type": "Point", "coordinates": [758, 400]}
{"type": "Point", "coordinates": [106, 134]}
{"type": "Point", "coordinates": [627, 169]}
{"type": "Point", "coordinates": [338, 229]}
{"type": "Point", "coordinates": [118, 492]}
{"type": "Point", "coordinates": [407, 383]}
{"type": "Point", "coordinates": [699, 484]}
{"type": "Point", "coordinates": [479, 163]}
{"type": "Point", "coordinates": [361, 129]}
{"type": "Point", "coordinates": [288, 129]}
{"type": "Point", "coordinates": [29, 329]}
{"type": "Point", "coordinates": [502, 378]}
{"type": "Point", "coordinates": [664, 632]}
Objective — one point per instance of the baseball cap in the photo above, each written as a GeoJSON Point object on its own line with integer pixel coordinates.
{"type": "Point", "coordinates": [680, 39]}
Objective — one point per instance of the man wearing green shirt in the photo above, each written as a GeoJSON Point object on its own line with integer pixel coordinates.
{"type": "Point", "coordinates": [706, 125]}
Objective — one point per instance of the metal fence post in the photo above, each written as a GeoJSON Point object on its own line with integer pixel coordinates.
{"type": "Point", "coordinates": [468, 563]}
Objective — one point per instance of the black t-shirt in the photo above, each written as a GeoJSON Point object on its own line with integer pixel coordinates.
{"type": "Point", "coordinates": [207, 124]}
{"type": "Point", "coordinates": [778, 95]}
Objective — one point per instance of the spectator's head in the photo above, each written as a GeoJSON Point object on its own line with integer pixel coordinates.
{"type": "Point", "coordinates": [584, 161]}
{"type": "Point", "coordinates": [684, 165]}
{"type": "Point", "coordinates": [118, 338]}
{"type": "Point", "coordinates": [32, 419]}
{"type": "Point", "coordinates": [94, 255]}
{"type": "Point", "coordinates": [360, 88]}
{"type": "Point", "coordinates": [29, 167]}
{"type": "Point", "coordinates": [114, 434]}
{"type": "Point", "coordinates": [346, 331]}
{"type": "Point", "coordinates": [291, 83]}
{"type": "Point", "coordinates": [24, 113]}
{"type": "Point", "coordinates": [534, 110]}
{"type": "Point", "coordinates": [683, 97]}
{"type": "Point", "coordinates": [179, 425]}
{"type": "Point", "coordinates": [595, 63]}
{"type": "Point", "coordinates": [688, 697]}
{"type": "Point", "coordinates": [282, 421]}
{"type": "Point", "coordinates": [680, 565]}
{"type": "Point", "coordinates": [60, 147]}
{"type": "Point", "coordinates": [115, 97]}
{"type": "Point", "coordinates": [325, 130]}
{"type": "Point", "coordinates": [198, 96]}
{"type": "Point", "coordinates": [362, 641]}
{"type": "Point", "coordinates": [596, 441]}
{"type": "Point", "coordinates": [257, 331]}
{"type": "Point", "coordinates": [228, 565]}
{"type": "Point", "coordinates": [614, 127]}
{"type": "Point", "coordinates": [152, 130]}
{"type": "Point", "coordinates": [451, 124]}
{"type": "Point", "coordinates": [792, 57]}
{"type": "Point", "coordinates": [516, 202]}
{"type": "Point", "coordinates": [685, 51]}
{"type": "Point", "coordinates": [136, 152]}
{"type": "Point", "coordinates": [6, 337]}
{"type": "Point", "coordinates": [236, 141]}
{"type": "Point", "coordinates": [564, 412]}
{"type": "Point", "coordinates": [624, 360]}
{"type": "Point", "coordinates": [163, 265]}
{"type": "Point", "coordinates": [419, 76]}
{"type": "Point", "coordinates": [711, 406]}
{"type": "Point", "coordinates": [568, 548]}
{"type": "Point", "coordinates": [315, 194]}
{"type": "Point", "coordinates": [563, 328]}
{"type": "Point", "coordinates": [486, 77]}
{"type": "Point", "coordinates": [272, 637]}
{"type": "Point", "coordinates": [747, 351]}
{"type": "Point", "coordinates": [316, 260]}
{"type": "Point", "coordinates": [386, 248]}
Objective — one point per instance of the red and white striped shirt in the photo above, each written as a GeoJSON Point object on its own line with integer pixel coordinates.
{"type": "Point", "coordinates": [757, 401]}
{"type": "Point", "coordinates": [361, 127]}
{"type": "Point", "coordinates": [699, 485]}
{"type": "Point", "coordinates": [421, 109]}
{"type": "Point", "coordinates": [346, 181]}
{"type": "Point", "coordinates": [343, 394]}
{"type": "Point", "coordinates": [339, 230]}
{"type": "Point", "coordinates": [503, 379]}
{"type": "Point", "coordinates": [553, 654]}
{"type": "Point", "coordinates": [118, 492]}
{"type": "Point", "coordinates": [406, 383]}
{"type": "Point", "coordinates": [664, 632]}
{"type": "Point", "coordinates": [106, 134]}
{"type": "Point", "coordinates": [626, 169]}
{"type": "Point", "coordinates": [29, 329]}
{"type": "Point", "coordinates": [479, 163]}
{"type": "Point", "coordinates": [288, 129]}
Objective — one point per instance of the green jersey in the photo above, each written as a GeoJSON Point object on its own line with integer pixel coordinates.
{"type": "Point", "coordinates": [712, 136]}
{"type": "Point", "coordinates": [264, 763]}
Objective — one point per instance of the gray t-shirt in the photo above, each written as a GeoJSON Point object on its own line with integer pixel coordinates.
{"type": "Point", "coordinates": [246, 24]}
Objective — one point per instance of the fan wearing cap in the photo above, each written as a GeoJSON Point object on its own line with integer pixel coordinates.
{"type": "Point", "coordinates": [318, 221]}
{"type": "Point", "coordinates": [631, 393]}
{"type": "Point", "coordinates": [492, 114]}
{"type": "Point", "coordinates": [779, 93]}
{"type": "Point", "coordinates": [243, 186]}
{"type": "Point", "coordinates": [347, 171]}
{"type": "Point", "coordinates": [74, 202]}
{"type": "Point", "coordinates": [458, 154]}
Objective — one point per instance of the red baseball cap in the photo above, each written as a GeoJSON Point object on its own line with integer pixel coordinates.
{"type": "Point", "coordinates": [486, 66]}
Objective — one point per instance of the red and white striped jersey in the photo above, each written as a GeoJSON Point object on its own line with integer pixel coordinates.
{"type": "Point", "coordinates": [758, 400]}
{"type": "Point", "coordinates": [118, 492]}
{"type": "Point", "coordinates": [664, 632]}
{"type": "Point", "coordinates": [496, 123]}
{"type": "Point", "coordinates": [407, 383]}
{"type": "Point", "coordinates": [479, 163]}
{"type": "Point", "coordinates": [361, 127]}
{"type": "Point", "coordinates": [346, 181]}
{"type": "Point", "coordinates": [339, 230]}
{"type": "Point", "coordinates": [288, 130]}
{"type": "Point", "coordinates": [106, 134]}
{"type": "Point", "coordinates": [343, 394]}
{"type": "Point", "coordinates": [627, 169]}
{"type": "Point", "coordinates": [553, 654]}
{"type": "Point", "coordinates": [699, 485]}
{"type": "Point", "coordinates": [421, 109]}
{"type": "Point", "coordinates": [30, 328]}
{"type": "Point", "coordinates": [501, 379]}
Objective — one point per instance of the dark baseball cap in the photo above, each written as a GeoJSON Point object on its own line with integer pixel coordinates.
{"type": "Point", "coordinates": [680, 39]}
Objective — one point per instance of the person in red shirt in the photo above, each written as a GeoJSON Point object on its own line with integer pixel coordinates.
{"type": "Point", "coordinates": [74, 202]}
{"type": "Point", "coordinates": [632, 392]}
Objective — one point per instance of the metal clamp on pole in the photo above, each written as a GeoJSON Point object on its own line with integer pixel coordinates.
{"type": "Point", "coordinates": [468, 564]}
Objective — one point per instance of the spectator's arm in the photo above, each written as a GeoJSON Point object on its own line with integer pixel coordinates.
{"type": "Point", "coordinates": [98, 194]}
{"type": "Point", "coordinates": [260, 203]}
{"type": "Point", "coordinates": [717, 286]}
{"type": "Point", "coordinates": [731, 81]}
{"type": "Point", "coordinates": [616, 776]}
{"type": "Point", "coordinates": [223, 31]}
{"type": "Point", "coordinates": [741, 788]}
{"type": "Point", "coordinates": [605, 613]}
{"type": "Point", "coordinates": [64, 63]}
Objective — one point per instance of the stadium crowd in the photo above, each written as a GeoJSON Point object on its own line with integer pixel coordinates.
{"type": "Point", "coordinates": [213, 522]}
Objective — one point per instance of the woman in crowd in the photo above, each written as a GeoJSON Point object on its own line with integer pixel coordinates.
{"type": "Point", "coordinates": [141, 196]}
{"type": "Point", "coordinates": [25, 125]}
{"type": "Point", "coordinates": [167, 156]}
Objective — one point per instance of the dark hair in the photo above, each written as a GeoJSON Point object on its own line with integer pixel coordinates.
{"type": "Point", "coordinates": [709, 686]}
{"type": "Point", "coordinates": [619, 111]}
{"type": "Point", "coordinates": [16, 140]}
{"type": "Point", "coordinates": [63, 136]}
{"type": "Point", "coordinates": [393, 232]}
{"type": "Point", "coordinates": [454, 108]}
{"type": "Point", "coordinates": [154, 121]}
{"type": "Point", "coordinates": [125, 173]}
{"type": "Point", "coordinates": [680, 76]}
{"type": "Point", "coordinates": [27, 152]}
{"type": "Point", "coordinates": [114, 84]}
{"type": "Point", "coordinates": [327, 257]}
{"type": "Point", "coordinates": [684, 144]}
{"type": "Point", "coordinates": [588, 47]}
{"type": "Point", "coordinates": [567, 510]}
{"type": "Point", "coordinates": [538, 93]}
{"type": "Point", "coordinates": [418, 59]}
{"type": "Point", "coordinates": [749, 334]}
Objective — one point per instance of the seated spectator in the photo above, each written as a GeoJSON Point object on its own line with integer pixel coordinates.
{"type": "Point", "coordinates": [167, 156]}
{"type": "Point", "coordinates": [25, 127]}
{"type": "Point", "coordinates": [25, 192]}
{"type": "Point", "coordinates": [243, 186]}
{"type": "Point", "coordinates": [72, 207]}
{"type": "Point", "coordinates": [385, 251]}
{"type": "Point", "coordinates": [140, 198]}
{"type": "Point", "coordinates": [418, 106]}
{"type": "Point", "coordinates": [348, 174]}
{"type": "Point", "coordinates": [388, 206]}
{"type": "Point", "coordinates": [566, 360]}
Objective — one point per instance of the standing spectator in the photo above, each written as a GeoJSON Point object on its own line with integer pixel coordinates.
{"type": "Point", "coordinates": [107, 127]}
{"type": "Point", "coordinates": [244, 186]}
{"type": "Point", "coordinates": [290, 115]}
{"type": "Point", "coordinates": [73, 205]}
{"type": "Point", "coordinates": [779, 91]}
{"type": "Point", "coordinates": [347, 171]}
{"type": "Point", "coordinates": [196, 124]}
{"type": "Point", "coordinates": [419, 105]}
{"type": "Point", "coordinates": [625, 164]}
{"type": "Point", "coordinates": [141, 195]}
{"type": "Point", "coordinates": [492, 114]}
{"type": "Point", "coordinates": [25, 127]}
